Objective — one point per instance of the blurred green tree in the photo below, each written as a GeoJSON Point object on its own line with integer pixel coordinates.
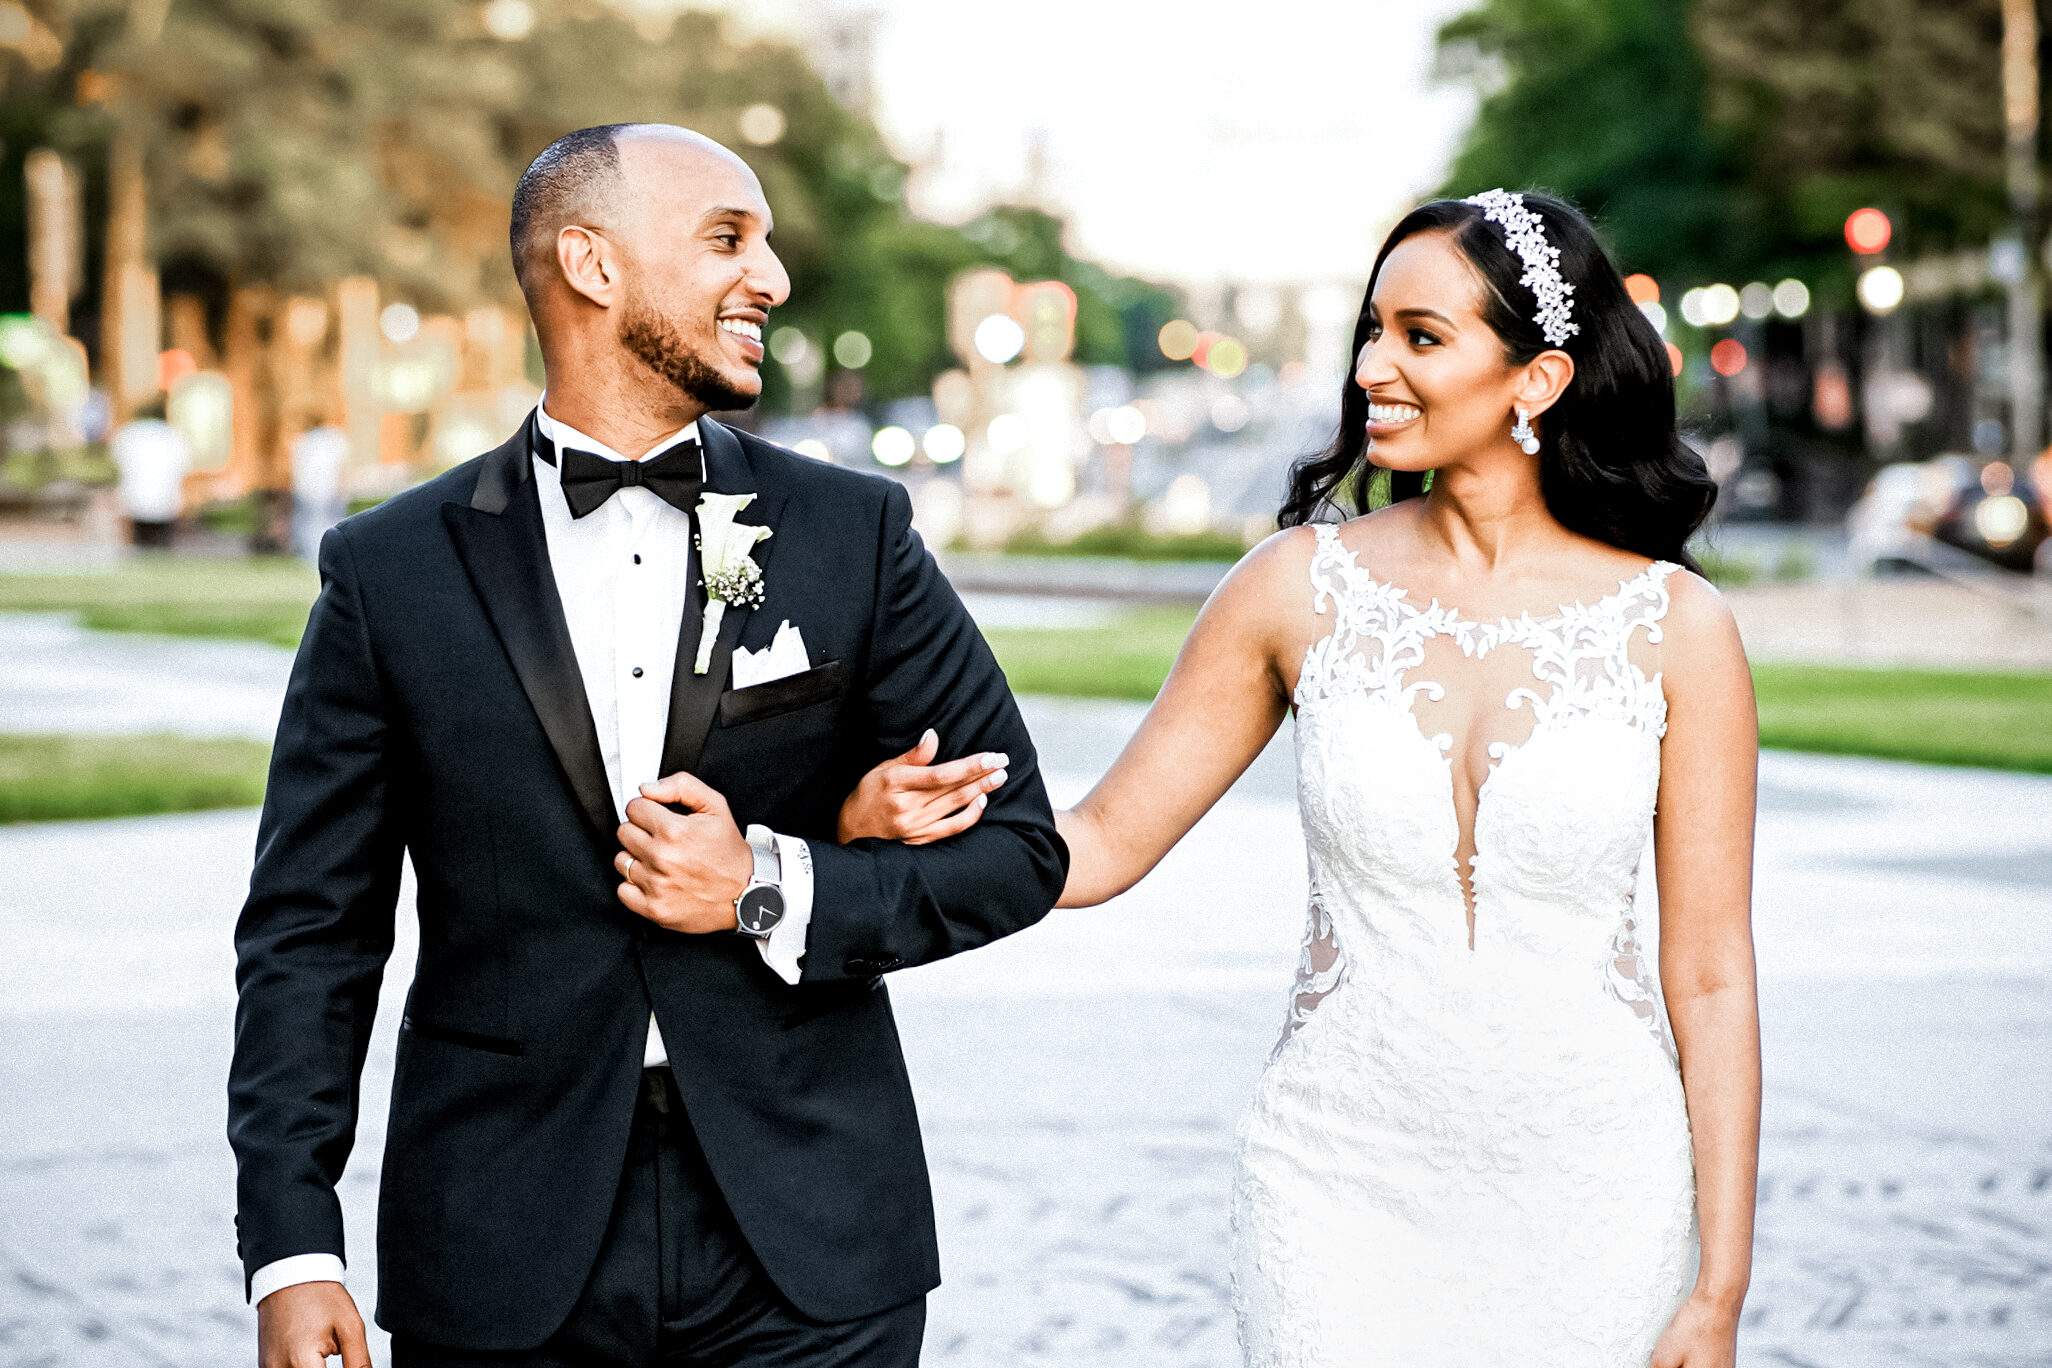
{"type": "Point", "coordinates": [291, 142]}
{"type": "Point", "coordinates": [1727, 138]}
{"type": "Point", "coordinates": [1602, 101]}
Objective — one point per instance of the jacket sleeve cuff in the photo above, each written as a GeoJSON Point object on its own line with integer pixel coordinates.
{"type": "Point", "coordinates": [290, 1272]}
{"type": "Point", "coordinates": [785, 945]}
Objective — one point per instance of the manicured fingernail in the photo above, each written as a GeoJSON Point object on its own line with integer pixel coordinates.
{"type": "Point", "coordinates": [931, 735]}
{"type": "Point", "coordinates": [981, 802]}
{"type": "Point", "coordinates": [996, 760]}
{"type": "Point", "coordinates": [997, 778]}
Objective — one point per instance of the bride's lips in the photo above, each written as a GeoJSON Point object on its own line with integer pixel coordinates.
{"type": "Point", "coordinates": [1385, 419]}
{"type": "Point", "coordinates": [745, 332]}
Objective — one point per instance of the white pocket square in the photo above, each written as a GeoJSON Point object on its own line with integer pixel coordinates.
{"type": "Point", "coordinates": [783, 657]}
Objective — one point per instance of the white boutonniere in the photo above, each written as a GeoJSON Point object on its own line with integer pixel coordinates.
{"type": "Point", "coordinates": [724, 551]}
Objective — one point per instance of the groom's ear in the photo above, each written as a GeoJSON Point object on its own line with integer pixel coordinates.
{"type": "Point", "coordinates": [588, 263]}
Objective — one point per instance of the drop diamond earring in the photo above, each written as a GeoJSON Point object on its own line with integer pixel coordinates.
{"type": "Point", "coordinates": [1522, 434]}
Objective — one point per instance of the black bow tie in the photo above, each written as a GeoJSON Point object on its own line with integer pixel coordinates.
{"type": "Point", "coordinates": [675, 477]}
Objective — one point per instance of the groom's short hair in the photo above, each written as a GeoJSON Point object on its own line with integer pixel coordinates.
{"type": "Point", "coordinates": [570, 182]}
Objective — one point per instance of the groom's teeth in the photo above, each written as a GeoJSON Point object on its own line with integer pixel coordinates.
{"type": "Point", "coordinates": [743, 327]}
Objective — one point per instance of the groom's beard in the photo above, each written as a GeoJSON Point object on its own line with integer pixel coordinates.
{"type": "Point", "coordinates": [659, 343]}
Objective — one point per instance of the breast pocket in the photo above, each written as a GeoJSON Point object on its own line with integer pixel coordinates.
{"type": "Point", "coordinates": [821, 684]}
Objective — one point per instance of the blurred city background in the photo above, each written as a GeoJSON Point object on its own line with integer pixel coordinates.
{"type": "Point", "coordinates": [1083, 277]}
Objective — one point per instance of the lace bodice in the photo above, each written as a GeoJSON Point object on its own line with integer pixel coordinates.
{"type": "Point", "coordinates": [1547, 843]}
{"type": "Point", "coordinates": [1470, 1145]}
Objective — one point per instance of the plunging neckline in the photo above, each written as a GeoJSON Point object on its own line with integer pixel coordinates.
{"type": "Point", "coordinates": [1477, 637]}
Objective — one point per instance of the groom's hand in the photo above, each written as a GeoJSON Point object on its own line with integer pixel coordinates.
{"type": "Point", "coordinates": [682, 870]}
{"type": "Point", "coordinates": [301, 1325]}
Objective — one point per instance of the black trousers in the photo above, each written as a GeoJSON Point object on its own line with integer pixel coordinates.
{"type": "Point", "coordinates": [675, 1285]}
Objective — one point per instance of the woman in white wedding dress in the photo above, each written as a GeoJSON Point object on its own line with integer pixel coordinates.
{"type": "Point", "coordinates": [1489, 1134]}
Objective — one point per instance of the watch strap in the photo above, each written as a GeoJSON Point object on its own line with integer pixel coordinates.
{"type": "Point", "coordinates": [769, 863]}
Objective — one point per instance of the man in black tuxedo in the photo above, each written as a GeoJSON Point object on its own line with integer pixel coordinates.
{"type": "Point", "coordinates": [650, 1104]}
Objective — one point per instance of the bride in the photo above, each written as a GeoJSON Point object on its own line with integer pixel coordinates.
{"type": "Point", "coordinates": [1489, 1134]}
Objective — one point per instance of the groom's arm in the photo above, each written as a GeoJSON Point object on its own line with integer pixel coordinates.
{"type": "Point", "coordinates": [880, 905]}
{"type": "Point", "coordinates": [313, 938]}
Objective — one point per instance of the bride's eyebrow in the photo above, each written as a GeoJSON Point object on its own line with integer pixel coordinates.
{"type": "Point", "coordinates": [1425, 313]}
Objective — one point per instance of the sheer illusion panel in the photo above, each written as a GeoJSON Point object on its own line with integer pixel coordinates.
{"type": "Point", "coordinates": [1473, 713]}
{"type": "Point", "coordinates": [1320, 969]}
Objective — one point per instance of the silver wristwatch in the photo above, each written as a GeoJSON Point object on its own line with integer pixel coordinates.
{"type": "Point", "coordinates": [761, 905]}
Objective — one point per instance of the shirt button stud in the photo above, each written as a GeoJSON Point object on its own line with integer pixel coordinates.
{"type": "Point", "coordinates": [637, 560]}
{"type": "Point", "coordinates": [637, 672]}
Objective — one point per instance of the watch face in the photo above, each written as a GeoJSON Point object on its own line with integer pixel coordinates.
{"type": "Point", "coordinates": [760, 910]}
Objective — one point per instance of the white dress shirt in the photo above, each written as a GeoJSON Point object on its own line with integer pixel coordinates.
{"type": "Point", "coordinates": [623, 573]}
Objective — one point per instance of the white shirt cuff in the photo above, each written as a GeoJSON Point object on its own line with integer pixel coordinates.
{"type": "Point", "coordinates": [783, 947]}
{"type": "Point", "coordinates": [290, 1272]}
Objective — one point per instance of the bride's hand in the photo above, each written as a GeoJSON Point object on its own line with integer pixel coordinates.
{"type": "Point", "coordinates": [1703, 1334]}
{"type": "Point", "coordinates": [911, 799]}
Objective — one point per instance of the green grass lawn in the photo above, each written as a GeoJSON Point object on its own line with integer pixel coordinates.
{"type": "Point", "coordinates": [64, 778]}
{"type": "Point", "coordinates": [1942, 717]}
{"type": "Point", "coordinates": [257, 600]}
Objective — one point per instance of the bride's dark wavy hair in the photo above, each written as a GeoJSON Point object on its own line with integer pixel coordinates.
{"type": "Point", "coordinates": [1611, 464]}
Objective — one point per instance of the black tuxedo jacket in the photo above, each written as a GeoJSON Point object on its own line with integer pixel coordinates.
{"type": "Point", "coordinates": [436, 710]}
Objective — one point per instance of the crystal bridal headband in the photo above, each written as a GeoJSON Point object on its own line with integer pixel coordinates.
{"type": "Point", "coordinates": [1526, 236]}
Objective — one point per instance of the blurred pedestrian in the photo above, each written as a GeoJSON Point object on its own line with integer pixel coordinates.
{"type": "Point", "coordinates": [318, 455]}
{"type": "Point", "coordinates": [152, 458]}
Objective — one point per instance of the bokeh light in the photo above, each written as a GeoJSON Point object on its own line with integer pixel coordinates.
{"type": "Point", "coordinates": [816, 449]}
{"type": "Point", "coordinates": [2000, 521]}
{"type": "Point", "coordinates": [1867, 231]}
{"type": "Point", "coordinates": [509, 20]}
{"type": "Point", "coordinates": [1643, 289]}
{"type": "Point", "coordinates": [174, 365]}
{"type": "Point", "coordinates": [944, 443]}
{"type": "Point", "coordinates": [1007, 434]}
{"type": "Point", "coordinates": [1674, 359]}
{"type": "Point", "coordinates": [1756, 301]}
{"type": "Point", "coordinates": [1728, 357]}
{"type": "Point", "coordinates": [1178, 339]}
{"type": "Point", "coordinates": [1226, 357]}
{"type": "Point", "coordinates": [789, 346]}
{"type": "Point", "coordinates": [24, 341]}
{"type": "Point", "coordinates": [999, 338]}
{"type": "Point", "coordinates": [1229, 413]}
{"type": "Point", "coordinates": [1791, 298]}
{"type": "Point", "coordinates": [852, 350]}
{"type": "Point", "coordinates": [1126, 425]}
{"type": "Point", "coordinates": [1881, 289]}
{"type": "Point", "coordinates": [1720, 304]}
{"type": "Point", "coordinates": [892, 446]}
{"type": "Point", "coordinates": [1656, 315]}
{"type": "Point", "coordinates": [399, 323]}
{"type": "Point", "coordinates": [761, 124]}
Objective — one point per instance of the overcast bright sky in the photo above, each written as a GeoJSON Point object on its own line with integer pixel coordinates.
{"type": "Point", "coordinates": [1198, 142]}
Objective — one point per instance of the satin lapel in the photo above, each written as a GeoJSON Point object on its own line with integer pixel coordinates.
{"type": "Point", "coordinates": [499, 538]}
{"type": "Point", "coordinates": [695, 698]}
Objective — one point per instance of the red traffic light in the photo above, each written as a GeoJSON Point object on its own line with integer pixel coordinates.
{"type": "Point", "coordinates": [1867, 231]}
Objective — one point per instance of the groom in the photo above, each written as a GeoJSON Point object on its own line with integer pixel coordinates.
{"type": "Point", "coordinates": [649, 1104]}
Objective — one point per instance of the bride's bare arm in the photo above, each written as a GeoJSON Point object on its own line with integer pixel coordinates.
{"type": "Point", "coordinates": [1703, 851]}
{"type": "Point", "coordinates": [1222, 702]}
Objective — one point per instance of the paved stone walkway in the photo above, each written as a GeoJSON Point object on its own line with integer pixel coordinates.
{"type": "Point", "coordinates": [1080, 1083]}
